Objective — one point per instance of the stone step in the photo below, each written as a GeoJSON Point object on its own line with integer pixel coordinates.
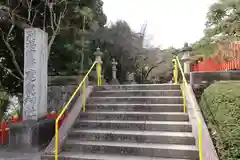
{"type": "Point", "coordinates": [125, 93]}
{"type": "Point", "coordinates": [133, 136]}
{"type": "Point", "coordinates": [139, 149]}
{"type": "Point", "coordinates": [94, 156]}
{"type": "Point", "coordinates": [144, 116]}
{"type": "Point", "coordinates": [171, 126]}
{"type": "Point", "coordinates": [137, 99]}
{"type": "Point", "coordinates": [139, 87]}
{"type": "Point", "coordinates": [135, 107]}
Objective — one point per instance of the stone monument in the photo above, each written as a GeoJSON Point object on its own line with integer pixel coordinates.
{"type": "Point", "coordinates": [35, 74]}
{"type": "Point", "coordinates": [34, 131]}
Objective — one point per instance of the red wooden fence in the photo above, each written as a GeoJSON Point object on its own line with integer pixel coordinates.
{"type": "Point", "coordinates": [218, 62]}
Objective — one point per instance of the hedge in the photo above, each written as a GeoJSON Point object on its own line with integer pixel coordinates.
{"type": "Point", "coordinates": [220, 104]}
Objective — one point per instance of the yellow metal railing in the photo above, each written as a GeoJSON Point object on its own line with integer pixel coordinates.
{"type": "Point", "coordinates": [177, 65]}
{"type": "Point", "coordinates": [83, 85]}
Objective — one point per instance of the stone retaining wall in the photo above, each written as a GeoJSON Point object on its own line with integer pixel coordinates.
{"type": "Point", "coordinates": [194, 112]}
{"type": "Point", "coordinates": [60, 89]}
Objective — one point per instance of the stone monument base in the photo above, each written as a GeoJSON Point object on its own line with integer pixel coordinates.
{"type": "Point", "coordinates": [30, 135]}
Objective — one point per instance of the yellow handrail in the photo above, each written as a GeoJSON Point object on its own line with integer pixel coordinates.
{"type": "Point", "coordinates": [99, 73]}
{"type": "Point", "coordinates": [70, 100]}
{"type": "Point", "coordinates": [177, 65]}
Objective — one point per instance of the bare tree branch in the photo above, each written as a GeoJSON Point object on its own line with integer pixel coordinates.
{"type": "Point", "coordinates": [35, 14]}
{"type": "Point", "coordinates": [149, 71]}
{"type": "Point", "coordinates": [44, 14]}
{"type": "Point", "coordinates": [10, 31]}
{"type": "Point", "coordinates": [29, 10]}
{"type": "Point", "coordinates": [12, 54]}
{"type": "Point", "coordinates": [11, 17]}
{"type": "Point", "coordinates": [51, 17]}
{"type": "Point", "coordinates": [57, 29]}
{"type": "Point", "coordinates": [14, 19]}
{"type": "Point", "coordinates": [55, 32]}
{"type": "Point", "coordinates": [12, 12]}
{"type": "Point", "coordinates": [55, 19]}
{"type": "Point", "coordinates": [59, 2]}
{"type": "Point", "coordinates": [11, 73]}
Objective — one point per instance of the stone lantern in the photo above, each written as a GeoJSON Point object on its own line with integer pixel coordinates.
{"type": "Point", "coordinates": [114, 68]}
{"type": "Point", "coordinates": [114, 72]}
{"type": "Point", "coordinates": [186, 58]}
{"type": "Point", "coordinates": [98, 57]}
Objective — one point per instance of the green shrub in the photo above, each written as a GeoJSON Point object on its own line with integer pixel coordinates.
{"type": "Point", "coordinates": [220, 104]}
{"type": "Point", "coordinates": [4, 102]}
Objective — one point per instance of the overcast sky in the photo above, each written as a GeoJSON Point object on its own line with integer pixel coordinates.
{"type": "Point", "coordinates": [169, 22]}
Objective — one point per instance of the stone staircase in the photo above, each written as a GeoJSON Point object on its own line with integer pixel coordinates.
{"type": "Point", "coordinates": [132, 122]}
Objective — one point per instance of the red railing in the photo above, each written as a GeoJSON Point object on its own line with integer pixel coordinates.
{"type": "Point", "coordinates": [212, 66]}
{"type": "Point", "coordinates": [5, 131]}
{"type": "Point", "coordinates": [217, 62]}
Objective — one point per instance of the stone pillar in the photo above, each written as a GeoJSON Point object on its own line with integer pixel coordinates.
{"type": "Point", "coordinates": [35, 74]}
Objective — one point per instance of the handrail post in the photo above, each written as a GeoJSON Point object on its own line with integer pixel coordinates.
{"type": "Point", "coordinates": [200, 139]}
{"type": "Point", "coordinates": [56, 140]}
{"type": "Point", "coordinates": [84, 96]}
{"type": "Point", "coordinates": [83, 82]}
{"type": "Point", "coordinates": [175, 71]}
{"type": "Point", "coordinates": [98, 58]}
{"type": "Point", "coordinates": [184, 97]}
{"type": "Point", "coordinates": [199, 122]}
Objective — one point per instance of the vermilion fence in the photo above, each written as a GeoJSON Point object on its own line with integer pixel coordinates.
{"type": "Point", "coordinates": [226, 59]}
{"type": "Point", "coordinates": [212, 66]}
{"type": "Point", "coordinates": [5, 131]}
